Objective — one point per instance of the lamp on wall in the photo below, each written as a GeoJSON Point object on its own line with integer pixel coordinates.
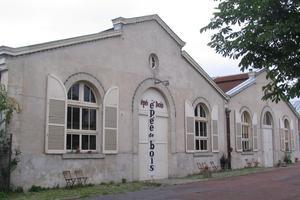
{"type": "Point", "coordinates": [165, 83]}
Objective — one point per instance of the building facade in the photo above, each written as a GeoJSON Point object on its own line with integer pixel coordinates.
{"type": "Point", "coordinates": [262, 131]}
{"type": "Point", "coordinates": [127, 102]}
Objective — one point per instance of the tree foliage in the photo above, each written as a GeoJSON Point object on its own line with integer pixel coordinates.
{"type": "Point", "coordinates": [264, 34]}
{"type": "Point", "coordinates": [7, 105]}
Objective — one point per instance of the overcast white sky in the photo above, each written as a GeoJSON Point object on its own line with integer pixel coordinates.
{"type": "Point", "coordinates": [27, 22]}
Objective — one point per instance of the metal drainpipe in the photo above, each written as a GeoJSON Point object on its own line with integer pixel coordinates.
{"type": "Point", "coordinates": [229, 149]}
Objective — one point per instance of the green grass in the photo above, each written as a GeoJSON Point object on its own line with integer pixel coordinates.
{"type": "Point", "coordinates": [80, 192]}
{"type": "Point", "coordinates": [231, 173]}
{"type": "Point", "coordinates": [113, 188]}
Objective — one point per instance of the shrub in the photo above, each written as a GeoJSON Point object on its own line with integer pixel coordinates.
{"type": "Point", "coordinates": [288, 158]}
{"type": "Point", "coordinates": [35, 188]}
{"type": "Point", "coordinates": [18, 190]}
{"type": "Point", "coordinates": [3, 195]}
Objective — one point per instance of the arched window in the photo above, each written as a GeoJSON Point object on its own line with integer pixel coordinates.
{"type": "Point", "coordinates": [267, 119]}
{"type": "Point", "coordinates": [201, 128]}
{"type": "Point", "coordinates": [286, 135]}
{"type": "Point", "coordinates": [82, 118]}
{"type": "Point", "coordinates": [246, 124]}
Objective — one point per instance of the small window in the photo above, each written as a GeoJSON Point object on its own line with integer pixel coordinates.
{"type": "Point", "coordinates": [153, 61]}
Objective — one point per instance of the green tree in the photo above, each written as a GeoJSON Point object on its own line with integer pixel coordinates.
{"type": "Point", "coordinates": [7, 106]}
{"type": "Point", "coordinates": [264, 34]}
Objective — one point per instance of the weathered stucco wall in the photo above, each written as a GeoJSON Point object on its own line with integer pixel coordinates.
{"type": "Point", "coordinates": [119, 61]}
{"type": "Point", "coordinates": [251, 99]}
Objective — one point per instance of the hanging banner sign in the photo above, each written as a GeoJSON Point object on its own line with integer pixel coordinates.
{"type": "Point", "coordinates": [151, 137]}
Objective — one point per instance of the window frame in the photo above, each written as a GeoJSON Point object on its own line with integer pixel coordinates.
{"type": "Point", "coordinates": [246, 125]}
{"type": "Point", "coordinates": [286, 135]}
{"type": "Point", "coordinates": [81, 104]}
{"type": "Point", "coordinates": [200, 119]}
{"type": "Point", "coordinates": [266, 116]}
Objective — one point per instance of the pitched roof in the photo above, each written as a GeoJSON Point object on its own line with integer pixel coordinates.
{"type": "Point", "coordinates": [113, 32]}
{"type": "Point", "coordinates": [199, 69]}
{"type": "Point", "coordinates": [226, 83]}
{"type": "Point", "coordinates": [234, 84]}
{"type": "Point", "coordinates": [116, 31]}
{"type": "Point", "coordinates": [118, 22]}
{"type": "Point", "coordinates": [5, 50]}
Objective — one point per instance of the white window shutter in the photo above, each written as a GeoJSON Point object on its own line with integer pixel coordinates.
{"type": "Point", "coordinates": [189, 127]}
{"type": "Point", "coordinates": [56, 116]}
{"type": "Point", "coordinates": [111, 121]}
{"type": "Point", "coordinates": [254, 133]}
{"type": "Point", "coordinates": [292, 141]}
{"type": "Point", "coordinates": [255, 137]}
{"type": "Point", "coordinates": [281, 134]}
{"type": "Point", "coordinates": [281, 139]}
{"type": "Point", "coordinates": [215, 129]}
{"type": "Point", "coordinates": [238, 132]}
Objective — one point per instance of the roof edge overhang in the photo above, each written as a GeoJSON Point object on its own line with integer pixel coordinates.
{"type": "Point", "coordinates": [249, 82]}
{"type": "Point", "coordinates": [204, 74]}
{"type": "Point", "coordinates": [10, 51]}
{"type": "Point", "coordinates": [118, 22]}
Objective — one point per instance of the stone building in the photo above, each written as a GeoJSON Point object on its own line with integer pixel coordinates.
{"type": "Point", "coordinates": [127, 102]}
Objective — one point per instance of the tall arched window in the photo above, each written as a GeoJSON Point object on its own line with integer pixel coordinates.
{"type": "Point", "coordinates": [286, 135]}
{"type": "Point", "coordinates": [201, 128]}
{"type": "Point", "coordinates": [82, 118]}
{"type": "Point", "coordinates": [246, 125]}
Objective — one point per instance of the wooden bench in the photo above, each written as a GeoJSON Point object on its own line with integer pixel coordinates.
{"type": "Point", "coordinates": [81, 179]}
{"type": "Point", "coordinates": [70, 181]}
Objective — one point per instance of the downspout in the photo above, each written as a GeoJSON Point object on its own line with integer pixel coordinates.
{"type": "Point", "coordinates": [229, 149]}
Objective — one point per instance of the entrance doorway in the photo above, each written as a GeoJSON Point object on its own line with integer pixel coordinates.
{"type": "Point", "coordinates": [153, 136]}
{"type": "Point", "coordinates": [267, 139]}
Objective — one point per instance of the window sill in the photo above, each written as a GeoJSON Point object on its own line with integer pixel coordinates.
{"type": "Point", "coordinates": [247, 153]}
{"type": "Point", "coordinates": [203, 154]}
{"type": "Point", "coordinates": [83, 156]}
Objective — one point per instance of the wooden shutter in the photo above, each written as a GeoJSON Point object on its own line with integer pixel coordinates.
{"type": "Point", "coordinates": [254, 133]}
{"type": "Point", "coordinates": [255, 137]}
{"type": "Point", "coordinates": [189, 127]}
{"type": "Point", "coordinates": [215, 129]}
{"type": "Point", "coordinates": [56, 119]}
{"type": "Point", "coordinates": [281, 132]}
{"type": "Point", "coordinates": [292, 141]}
{"type": "Point", "coordinates": [238, 132]}
{"type": "Point", "coordinates": [111, 121]}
